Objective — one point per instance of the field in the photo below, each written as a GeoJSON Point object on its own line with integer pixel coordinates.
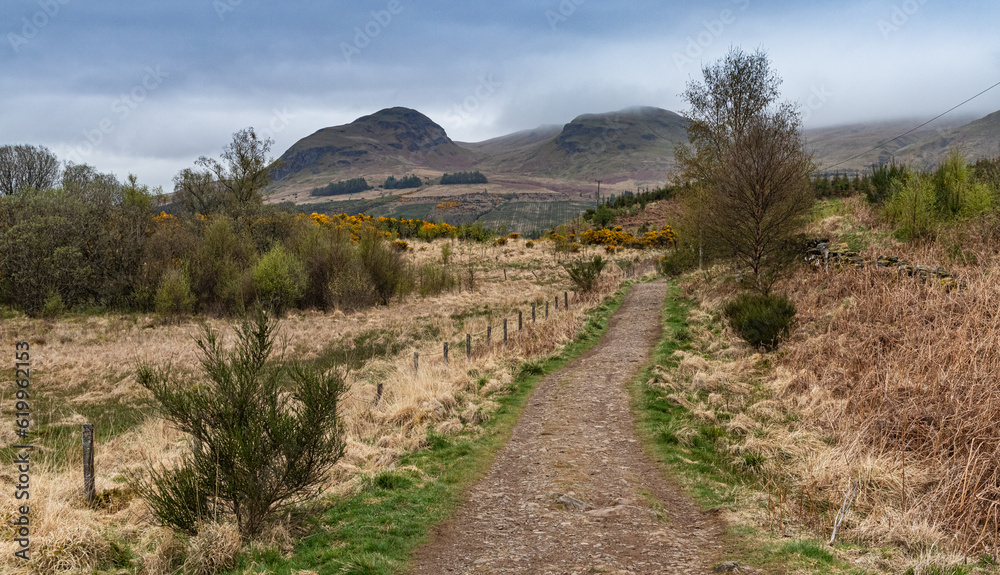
{"type": "Point", "coordinates": [84, 371]}
{"type": "Point", "coordinates": [524, 217]}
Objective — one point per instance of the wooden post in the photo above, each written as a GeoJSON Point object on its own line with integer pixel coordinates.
{"type": "Point", "coordinates": [546, 309]}
{"type": "Point", "coordinates": [416, 362]}
{"type": "Point", "coordinates": [520, 323]}
{"type": "Point", "coordinates": [468, 345]}
{"type": "Point", "coordinates": [566, 299]}
{"type": "Point", "coordinates": [88, 463]}
{"type": "Point", "coordinates": [378, 392]}
{"type": "Point", "coordinates": [557, 302]}
{"type": "Point", "coordinates": [446, 353]}
{"type": "Point", "coordinates": [532, 313]}
{"type": "Point", "coordinates": [505, 330]}
{"type": "Point", "coordinates": [489, 332]}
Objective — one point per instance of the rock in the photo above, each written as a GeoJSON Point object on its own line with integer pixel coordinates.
{"type": "Point", "coordinates": [727, 567]}
{"type": "Point", "coordinates": [608, 511]}
{"type": "Point", "coordinates": [572, 503]}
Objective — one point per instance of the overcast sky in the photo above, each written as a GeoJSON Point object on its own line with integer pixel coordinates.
{"type": "Point", "coordinates": [147, 87]}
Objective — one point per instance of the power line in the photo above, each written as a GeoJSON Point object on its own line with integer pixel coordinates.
{"type": "Point", "coordinates": [879, 145]}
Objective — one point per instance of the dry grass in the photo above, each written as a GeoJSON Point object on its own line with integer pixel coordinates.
{"type": "Point", "coordinates": [887, 382]}
{"type": "Point", "coordinates": [87, 360]}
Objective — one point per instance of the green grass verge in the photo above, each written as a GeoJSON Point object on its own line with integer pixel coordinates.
{"type": "Point", "coordinates": [706, 471]}
{"type": "Point", "coordinates": [375, 530]}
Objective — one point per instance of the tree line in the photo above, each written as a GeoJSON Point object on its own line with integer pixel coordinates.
{"type": "Point", "coordinates": [76, 238]}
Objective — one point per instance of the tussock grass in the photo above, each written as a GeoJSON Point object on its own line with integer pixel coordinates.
{"type": "Point", "coordinates": [887, 383]}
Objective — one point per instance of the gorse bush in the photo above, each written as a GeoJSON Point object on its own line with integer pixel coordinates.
{"type": "Point", "coordinates": [265, 434]}
{"type": "Point", "coordinates": [762, 320]}
{"type": "Point", "coordinates": [584, 273]}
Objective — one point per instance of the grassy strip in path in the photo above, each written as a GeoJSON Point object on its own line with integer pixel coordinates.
{"type": "Point", "coordinates": [703, 468]}
{"type": "Point", "coordinates": [374, 531]}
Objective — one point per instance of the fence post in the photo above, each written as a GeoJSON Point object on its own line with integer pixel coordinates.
{"type": "Point", "coordinates": [520, 324]}
{"type": "Point", "coordinates": [416, 362]}
{"type": "Point", "coordinates": [489, 334]}
{"type": "Point", "coordinates": [378, 392]}
{"type": "Point", "coordinates": [546, 309]}
{"type": "Point", "coordinates": [468, 345]}
{"type": "Point", "coordinates": [446, 353]}
{"type": "Point", "coordinates": [505, 330]}
{"type": "Point", "coordinates": [557, 302]}
{"type": "Point", "coordinates": [88, 463]}
{"type": "Point", "coordinates": [566, 299]}
{"type": "Point", "coordinates": [532, 313]}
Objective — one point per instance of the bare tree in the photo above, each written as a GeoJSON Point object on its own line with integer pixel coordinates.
{"type": "Point", "coordinates": [747, 162]}
{"type": "Point", "coordinates": [761, 197]}
{"type": "Point", "coordinates": [25, 166]}
{"type": "Point", "coordinates": [197, 191]}
{"type": "Point", "coordinates": [245, 169]}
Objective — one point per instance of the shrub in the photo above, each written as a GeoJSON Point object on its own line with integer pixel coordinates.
{"type": "Point", "coordinates": [265, 433]}
{"type": "Point", "coordinates": [400, 245]}
{"type": "Point", "coordinates": [529, 244]}
{"type": "Point", "coordinates": [174, 297]}
{"type": "Point", "coordinates": [681, 260]}
{"type": "Point", "coordinates": [53, 306]}
{"type": "Point", "coordinates": [280, 279]}
{"type": "Point", "coordinates": [221, 267]}
{"type": "Point", "coordinates": [445, 253]}
{"type": "Point", "coordinates": [762, 320]}
{"type": "Point", "coordinates": [911, 207]}
{"type": "Point", "coordinates": [434, 279]}
{"type": "Point", "coordinates": [387, 271]}
{"type": "Point", "coordinates": [585, 273]}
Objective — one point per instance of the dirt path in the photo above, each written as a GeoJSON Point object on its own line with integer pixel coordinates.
{"type": "Point", "coordinates": [575, 446]}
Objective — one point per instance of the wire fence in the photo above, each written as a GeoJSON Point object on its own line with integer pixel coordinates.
{"type": "Point", "coordinates": [520, 323]}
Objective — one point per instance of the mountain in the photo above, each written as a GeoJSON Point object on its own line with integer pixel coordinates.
{"type": "Point", "coordinates": [977, 139]}
{"type": "Point", "coordinates": [547, 175]}
{"type": "Point", "coordinates": [635, 144]}
{"type": "Point", "coordinates": [391, 141]}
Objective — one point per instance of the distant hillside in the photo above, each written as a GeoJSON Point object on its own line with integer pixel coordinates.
{"type": "Point", "coordinates": [391, 141]}
{"type": "Point", "coordinates": [632, 144]}
{"type": "Point", "coordinates": [977, 139]}
{"type": "Point", "coordinates": [927, 145]}
{"type": "Point", "coordinates": [558, 165]}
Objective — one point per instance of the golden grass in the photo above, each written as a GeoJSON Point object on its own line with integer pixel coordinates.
{"type": "Point", "coordinates": [887, 382]}
{"type": "Point", "coordinates": [91, 359]}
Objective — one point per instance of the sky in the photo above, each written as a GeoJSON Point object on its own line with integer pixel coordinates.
{"type": "Point", "coordinates": [148, 87]}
